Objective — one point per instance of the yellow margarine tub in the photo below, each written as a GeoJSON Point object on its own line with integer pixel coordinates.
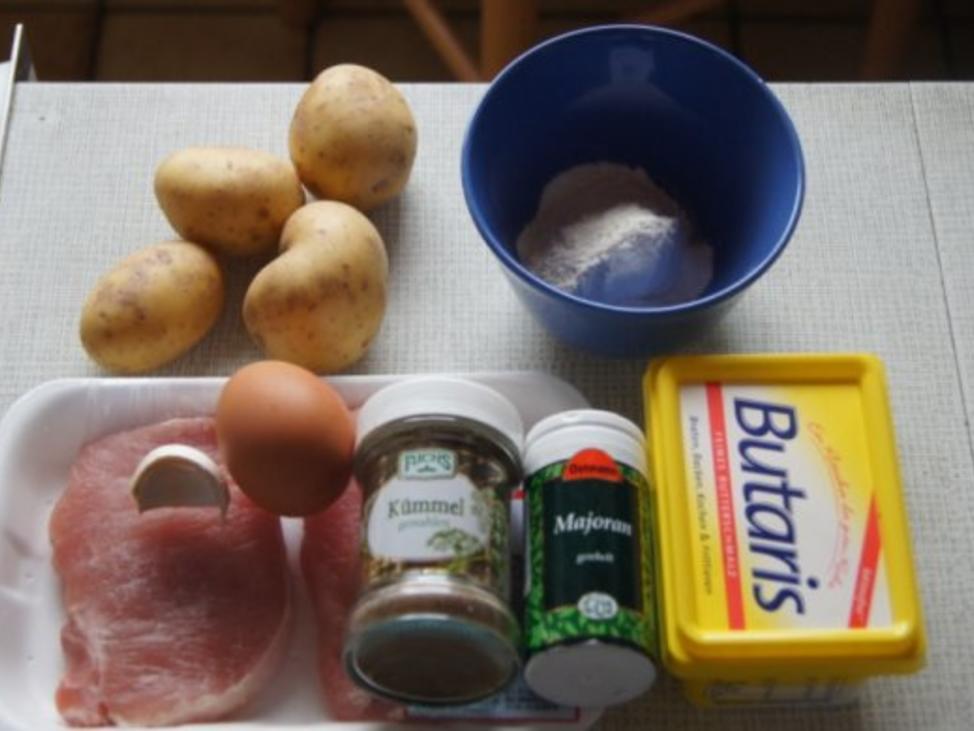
{"type": "Point", "coordinates": [786, 574]}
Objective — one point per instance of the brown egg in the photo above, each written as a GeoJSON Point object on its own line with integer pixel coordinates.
{"type": "Point", "coordinates": [287, 437]}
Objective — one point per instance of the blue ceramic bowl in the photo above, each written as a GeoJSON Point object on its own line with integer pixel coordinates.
{"type": "Point", "coordinates": [702, 124]}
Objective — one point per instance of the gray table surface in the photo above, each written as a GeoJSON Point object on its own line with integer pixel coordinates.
{"type": "Point", "coordinates": [882, 261]}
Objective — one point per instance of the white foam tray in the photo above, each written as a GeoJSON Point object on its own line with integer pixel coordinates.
{"type": "Point", "coordinates": [39, 439]}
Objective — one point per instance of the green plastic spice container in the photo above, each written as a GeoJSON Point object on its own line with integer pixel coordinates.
{"type": "Point", "coordinates": [590, 617]}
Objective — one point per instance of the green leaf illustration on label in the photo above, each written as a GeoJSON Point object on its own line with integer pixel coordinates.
{"type": "Point", "coordinates": [430, 515]}
{"type": "Point", "coordinates": [589, 554]}
{"type": "Point", "coordinates": [455, 541]}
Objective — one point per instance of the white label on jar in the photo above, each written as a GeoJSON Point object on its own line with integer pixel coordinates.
{"type": "Point", "coordinates": [432, 519]}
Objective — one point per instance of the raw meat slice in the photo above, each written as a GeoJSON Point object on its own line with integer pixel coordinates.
{"type": "Point", "coordinates": [331, 563]}
{"type": "Point", "coordinates": [172, 615]}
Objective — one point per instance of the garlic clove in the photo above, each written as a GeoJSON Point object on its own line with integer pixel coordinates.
{"type": "Point", "coordinates": [175, 475]}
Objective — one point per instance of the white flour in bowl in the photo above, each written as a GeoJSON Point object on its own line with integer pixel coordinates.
{"type": "Point", "coordinates": [607, 232]}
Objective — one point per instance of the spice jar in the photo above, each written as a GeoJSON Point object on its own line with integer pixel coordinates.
{"type": "Point", "coordinates": [590, 614]}
{"type": "Point", "coordinates": [436, 459]}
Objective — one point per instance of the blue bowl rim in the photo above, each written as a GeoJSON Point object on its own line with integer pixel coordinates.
{"type": "Point", "coordinates": [511, 262]}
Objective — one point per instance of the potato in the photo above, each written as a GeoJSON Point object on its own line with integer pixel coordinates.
{"type": "Point", "coordinates": [353, 137]}
{"type": "Point", "coordinates": [320, 303]}
{"type": "Point", "coordinates": [152, 307]}
{"type": "Point", "coordinates": [230, 199]}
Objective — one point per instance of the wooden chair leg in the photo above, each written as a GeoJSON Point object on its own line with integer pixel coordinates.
{"type": "Point", "coordinates": [890, 27]}
{"type": "Point", "coordinates": [676, 11]}
{"type": "Point", "coordinates": [298, 13]}
{"type": "Point", "coordinates": [447, 45]}
{"type": "Point", "coordinates": [507, 28]}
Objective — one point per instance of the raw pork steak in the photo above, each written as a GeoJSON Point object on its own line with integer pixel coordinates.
{"type": "Point", "coordinates": [331, 563]}
{"type": "Point", "coordinates": [173, 615]}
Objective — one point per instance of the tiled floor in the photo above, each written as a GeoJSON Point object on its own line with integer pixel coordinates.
{"type": "Point", "coordinates": [158, 46]}
{"type": "Point", "coordinates": [826, 51]}
{"type": "Point", "coordinates": [389, 43]}
{"type": "Point", "coordinates": [239, 40]}
{"type": "Point", "coordinates": [61, 40]}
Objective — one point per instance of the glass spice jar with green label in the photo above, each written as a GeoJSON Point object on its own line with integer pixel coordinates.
{"type": "Point", "coordinates": [436, 459]}
{"type": "Point", "coordinates": [590, 614]}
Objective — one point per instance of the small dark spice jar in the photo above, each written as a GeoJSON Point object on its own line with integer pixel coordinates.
{"type": "Point", "coordinates": [590, 612]}
{"type": "Point", "coordinates": [436, 458]}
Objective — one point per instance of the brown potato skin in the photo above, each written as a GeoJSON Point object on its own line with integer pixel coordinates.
{"type": "Point", "coordinates": [152, 307]}
{"type": "Point", "coordinates": [232, 200]}
{"type": "Point", "coordinates": [321, 302]}
{"type": "Point", "coordinates": [353, 137]}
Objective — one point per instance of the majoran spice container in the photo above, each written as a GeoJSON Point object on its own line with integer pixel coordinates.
{"type": "Point", "coordinates": [590, 614]}
{"type": "Point", "coordinates": [436, 459]}
{"type": "Point", "coordinates": [785, 563]}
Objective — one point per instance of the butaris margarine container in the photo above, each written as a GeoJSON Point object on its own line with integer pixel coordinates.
{"type": "Point", "coordinates": [785, 565]}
